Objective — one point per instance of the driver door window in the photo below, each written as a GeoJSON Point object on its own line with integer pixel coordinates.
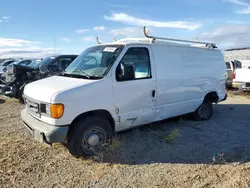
{"type": "Point", "coordinates": [134, 65]}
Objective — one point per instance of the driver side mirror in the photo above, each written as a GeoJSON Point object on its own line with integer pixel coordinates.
{"type": "Point", "coordinates": [125, 72]}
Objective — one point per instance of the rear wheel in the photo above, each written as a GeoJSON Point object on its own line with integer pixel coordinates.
{"type": "Point", "coordinates": [89, 137]}
{"type": "Point", "coordinates": [204, 112]}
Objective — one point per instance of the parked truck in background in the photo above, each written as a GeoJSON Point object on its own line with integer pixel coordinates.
{"type": "Point", "coordinates": [231, 67]}
{"type": "Point", "coordinates": [241, 79]}
{"type": "Point", "coordinates": [238, 74]}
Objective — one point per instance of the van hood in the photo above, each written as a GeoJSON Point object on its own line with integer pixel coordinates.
{"type": "Point", "coordinates": [44, 89]}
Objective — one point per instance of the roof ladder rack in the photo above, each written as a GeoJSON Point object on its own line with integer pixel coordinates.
{"type": "Point", "coordinates": [209, 45]}
{"type": "Point", "coordinates": [97, 40]}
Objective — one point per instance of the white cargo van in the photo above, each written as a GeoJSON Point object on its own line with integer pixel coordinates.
{"type": "Point", "coordinates": [116, 86]}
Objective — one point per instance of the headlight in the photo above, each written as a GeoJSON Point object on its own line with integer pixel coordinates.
{"type": "Point", "coordinates": [47, 109]}
{"type": "Point", "coordinates": [53, 110]}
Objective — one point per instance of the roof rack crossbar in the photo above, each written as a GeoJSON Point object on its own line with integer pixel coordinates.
{"type": "Point", "coordinates": [177, 40]}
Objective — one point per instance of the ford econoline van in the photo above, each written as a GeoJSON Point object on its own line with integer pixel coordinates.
{"type": "Point", "coordinates": [116, 86]}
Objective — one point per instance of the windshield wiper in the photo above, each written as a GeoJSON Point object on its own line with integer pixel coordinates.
{"type": "Point", "coordinates": [96, 77]}
{"type": "Point", "coordinates": [74, 75]}
{"type": "Point", "coordinates": [85, 74]}
{"type": "Point", "coordinates": [81, 73]}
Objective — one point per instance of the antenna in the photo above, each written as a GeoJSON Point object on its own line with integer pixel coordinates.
{"type": "Point", "coordinates": [114, 39]}
{"type": "Point", "coordinates": [97, 40]}
{"type": "Point", "coordinates": [209, 45]}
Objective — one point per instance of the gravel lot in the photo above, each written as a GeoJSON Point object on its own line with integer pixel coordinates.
{"type": "Point", "coordinates": [203, 154]}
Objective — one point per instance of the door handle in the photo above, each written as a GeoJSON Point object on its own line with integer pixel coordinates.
{"type": "Point", "coordinates": [153, 93]}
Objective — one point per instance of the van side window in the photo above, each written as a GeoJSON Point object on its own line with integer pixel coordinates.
{"type": "Point", "coordinates": [134, 65]}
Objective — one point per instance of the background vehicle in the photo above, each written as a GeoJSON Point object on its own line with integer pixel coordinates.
{"type": "Point", "coordinates": [245, 64]}
{"type": "Point", "coordinates": [17, 76]}
{"type": "Point", "coordinates": [22, 62]}
{"type": "Point", "coordinates": [231, 67]}
{"type": "Point", "coordinates": [5, 63]}
{"type": "Point", "coordinates": [241, 79]}
{"type": "Point", "coordinates": [117, 86]}
{"type": "Point", "coordinates": [238, 74]}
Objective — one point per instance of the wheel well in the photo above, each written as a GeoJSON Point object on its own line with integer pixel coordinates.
{"type": "Point", "coordinates": [101, 113]}
{"type": "Point", "coordinates": [212, 97]}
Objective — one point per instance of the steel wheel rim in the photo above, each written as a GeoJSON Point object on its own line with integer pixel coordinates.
{"type": "Point", "coordinates": [93, 139]}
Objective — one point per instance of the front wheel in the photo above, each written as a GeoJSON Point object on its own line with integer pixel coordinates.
{"type": "Point", "coordinates": [89, 137]}
{"type": "Point", "coordinates": [204, 112]}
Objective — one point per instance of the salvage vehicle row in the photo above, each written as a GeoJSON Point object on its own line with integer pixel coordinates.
{"type": "Point", "coordinates": [17, 75]}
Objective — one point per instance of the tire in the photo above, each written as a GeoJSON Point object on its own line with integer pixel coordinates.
{"type": "Point", "coordinates": [204, 112]}
{"type": "Point", "coordinates": [89, 136]}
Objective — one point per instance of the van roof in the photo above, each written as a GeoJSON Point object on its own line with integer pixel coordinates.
{"type": "Point", "coordinates": [155, 40]}
{"type": "Point", "coordinates": [150, 41]}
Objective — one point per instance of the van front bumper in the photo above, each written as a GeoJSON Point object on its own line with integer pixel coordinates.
{"type": "Point", "coordinates": [44, 132]}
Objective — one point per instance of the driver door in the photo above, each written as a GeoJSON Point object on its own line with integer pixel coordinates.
{"type": "Point", "coordinates": [135, 96]}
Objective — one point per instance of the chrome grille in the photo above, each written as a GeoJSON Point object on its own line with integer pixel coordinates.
{"type": "Point", "coordinates": [33, 107]}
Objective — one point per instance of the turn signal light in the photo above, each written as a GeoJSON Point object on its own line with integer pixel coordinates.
{"type": "Point", "coordinates": [56, 110]}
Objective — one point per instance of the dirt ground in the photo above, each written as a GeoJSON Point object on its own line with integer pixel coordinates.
{"type": "Point", "coordinates": [214, 153]}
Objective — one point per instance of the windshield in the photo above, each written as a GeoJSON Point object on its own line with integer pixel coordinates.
{"type": "Point", "coordinates": [94, 61]}
{"type": "Point", "coordinates": [6, 63]}
{"type": "Point", "coordinates": [37, 63]}
{"type": "Point", "coordinates": [16, 62]}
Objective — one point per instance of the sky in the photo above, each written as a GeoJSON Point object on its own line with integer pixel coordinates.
{"type": "Point", "coordinates": [34, 28]}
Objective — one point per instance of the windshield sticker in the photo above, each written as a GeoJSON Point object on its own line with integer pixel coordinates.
{"type": "Point", "coordinates": [109, 49]}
